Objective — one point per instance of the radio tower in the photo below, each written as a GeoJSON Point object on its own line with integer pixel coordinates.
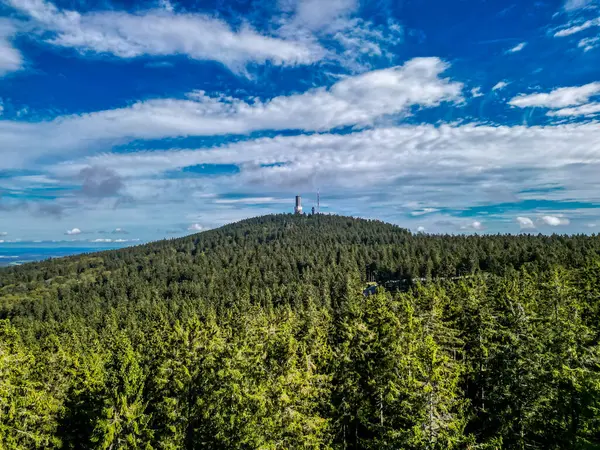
{"type": "Point", "coordinates": [318, 202]}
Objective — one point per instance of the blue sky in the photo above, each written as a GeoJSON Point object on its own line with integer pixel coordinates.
{"type": "Point", "coordinates": [124, 121]}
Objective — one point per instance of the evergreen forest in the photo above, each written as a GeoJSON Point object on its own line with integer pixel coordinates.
{"type": "Point", "coordinates": [258, 335]}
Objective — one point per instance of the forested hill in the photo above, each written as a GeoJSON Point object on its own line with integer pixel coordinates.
{"type": "Point", "coordinates": [257, 335]}
{"type": "Point", "coordinates": [270, 258]}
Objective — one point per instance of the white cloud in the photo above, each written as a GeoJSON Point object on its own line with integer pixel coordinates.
{"type": "Point", "coordinates": [421, 229]}
{"type": "Point", "coordinates": [571, 5]}
{"type": "Point", "coordinates": [525, 223]}
{"type": "Point", "coordinates": [558, 98]}
{"type": "Point", "coordinates": [316, 14]}
{"type": "Point", "coordinates": [588, 43]}
{"type": "Point", "coordinates": [424, 211]}
{"type": "Point", "coordinates": [423, 155]}
{"type": "Point", "coordinates": [357, 100]}
{"type": "Point", "coordinates": [475, 225]}
{"type": "Point", "coordinates": [10, 58]}
{"type": "Point", "coordinates": [166, 5]}
{"type": "Point", "coordinates": [357, 44]}
{"type": "Point", "coordinates": [114, 241]}
{"type": "Point", "coordinates": [555, 221]}
{"type": "Point", "coordinates": [518, 47]}
{"type": "Point", "coordinates": [250, 200]}
{"type": "Point", "coordinates": [499, 85]}
{"type": "Point", "coordinates": [73, 232]}
{"type": "Point", "coordinates": [162, 32]}
{"type": "Point", "coordinates": [195, 227]}
{"type": "Point", "coordinates": [385, 172]}
{"type": "Point", "coordinates": [361, 42]}
{"type": "Point", "coordinates": [584, 110]}
{"type": "Point", "coordinates": [577, 28]}
{"type": "Point", "coordinates": [476, 92]}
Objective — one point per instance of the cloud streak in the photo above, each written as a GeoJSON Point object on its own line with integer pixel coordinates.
{"type": "Point", "coordinates": [10, 58]}
{"type": "Point", "coordinates": [558, 98]}
{"type": "Point", "coordinates": [588, 43]}
{"type": "Point", "coordinates": [455, 166]}
{"type": "Point", "coordinates": [359, 100]}
{"type": "Point", "coordinates": [577, 28]}
{"type": "Point", "coordinates": [590, 109]}
{"type": "Point", "coordinates": [163, 32]}
{"type": "Point", "coordinates": [518, 47]}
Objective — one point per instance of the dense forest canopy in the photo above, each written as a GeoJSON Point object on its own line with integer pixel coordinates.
{"type": "Point", "coordinates": [258, 335]}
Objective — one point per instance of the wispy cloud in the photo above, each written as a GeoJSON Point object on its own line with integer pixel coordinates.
{"type": "Point", "coordinates": [358, 100]}
{"type": "Point", "coordinates": [250, 201]}
{"type": "Point", "coordinates": [163, 32]}
{"type": "Point", "coordinates": [589, 43]}
{"type": "Point", "coordinates": [576, 28]}
{"type": "Point", "coordinates": [499, 85]}
{"type": "Point", "coordinates": [112, 241]}
{"type": "Point", "coordinates": [517, 48]}
{"type": "Point", "coordinates": [355, 43]}
{"type": "Point", "coordinates": [476, 92]}
{"type": "Point", "coordinates": [10, 58]}
{"type": "Point", "coordinates": [424, 211]}
{"type": "Point", "coordinates": [589, 109]}
{"type": "Point", "coordinates": [571, 5]}
{"type": "Point", "coordinates": [558, 98]}
{"type": "Point", "coordinates": [316, 14]}
{"type": "Point", "coordinates": [422, 165]}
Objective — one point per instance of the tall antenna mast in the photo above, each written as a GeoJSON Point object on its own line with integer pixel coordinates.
{"type": "Point", "coordinates": [318, 202]}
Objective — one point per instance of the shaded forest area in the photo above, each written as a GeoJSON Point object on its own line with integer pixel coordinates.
{"type": "Point", "coordinates": [257, 336]}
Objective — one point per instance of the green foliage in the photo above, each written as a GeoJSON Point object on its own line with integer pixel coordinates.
{"type": "Point", "coordinates": [27, 410]}
{"type": "Point", "coordinates": [258, 335]}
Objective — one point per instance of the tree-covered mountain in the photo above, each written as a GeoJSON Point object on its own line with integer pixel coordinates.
{"type": "Point", "coordinates": [257, 335]}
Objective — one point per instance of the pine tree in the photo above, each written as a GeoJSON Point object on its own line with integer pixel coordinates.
{"type": "Point", "coordinates": [440, 367]}
{"type": "Point", "coordinates": [123, 422]}
{"type": "Point", "coordinates": [28, 412]}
